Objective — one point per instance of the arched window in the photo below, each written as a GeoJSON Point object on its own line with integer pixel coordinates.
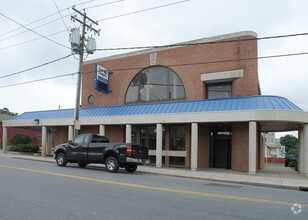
{"type": "Point", "coordinates": [155, 83]}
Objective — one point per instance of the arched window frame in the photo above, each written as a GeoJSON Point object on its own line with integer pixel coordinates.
{"type": "Point", "coordinates": [168, 97]}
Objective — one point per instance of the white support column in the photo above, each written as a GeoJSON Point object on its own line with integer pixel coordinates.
{"type": "Point", "coordinates": [305, 151]}
{"type": "Point", "coordinates": [4, 140]}
{"type": "Point", "coordinates": [128, 136]}
{"type": "Point", "coordinates": [70, 132]}
{"type": "Point", "coordinates": [194, 146]}
{"type": "Point", "coordinates": [102, 130]}
{"type": "Point", "coordinates": [159, 144]}
{"type": "Point", "coordinates": [252, 148]}
{"type": "Point", "coordinates": [44, 140]}
{"type": "Point", "coordinates": [301, 151]}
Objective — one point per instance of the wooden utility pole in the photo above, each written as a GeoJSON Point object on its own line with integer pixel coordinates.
{"type": "Point", "coordinates": [81, 52]}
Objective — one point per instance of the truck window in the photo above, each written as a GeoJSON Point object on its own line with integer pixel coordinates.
{"type": "Point", "coordinates": [86, 139]}
{"type": "Point", "coordinates": [99, 139]}
{"type": "Point", "coordinates": [79, 140]}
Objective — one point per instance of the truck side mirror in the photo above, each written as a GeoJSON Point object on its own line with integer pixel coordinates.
{"type": "Point", "coordinates": [71, 142]}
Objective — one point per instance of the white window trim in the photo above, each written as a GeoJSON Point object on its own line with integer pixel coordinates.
{"type": "Point", "coordinates": [221, 77]}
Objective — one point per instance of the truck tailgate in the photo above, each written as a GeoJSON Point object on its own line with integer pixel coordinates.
{"type": "Point", "coordinates": [139, 151]}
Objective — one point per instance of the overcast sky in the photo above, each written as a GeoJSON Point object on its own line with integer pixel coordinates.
{"type": "Point", "coordinates": [22, 49]}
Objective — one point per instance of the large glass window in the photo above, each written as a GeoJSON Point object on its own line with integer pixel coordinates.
{"type": "Point", "coordinates": [219, 90]}
{"type": "Point", "coordinates": [177, 137]}
{"type": "Point", "coordinates": [155, 83]}
{"type": "Point", "coordinates": [148, 137]}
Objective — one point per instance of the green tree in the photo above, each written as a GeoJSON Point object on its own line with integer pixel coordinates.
{"type": "Point", "coordinates": [289, 141]}
{"type": "Point", "coordinates": [6, 111]}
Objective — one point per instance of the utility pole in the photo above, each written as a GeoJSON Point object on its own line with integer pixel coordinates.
{"type": "Point", "coordinates": [78, 46]}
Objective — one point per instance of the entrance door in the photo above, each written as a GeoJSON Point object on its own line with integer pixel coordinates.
{"type": "Point", "coordinates": [220, 149]}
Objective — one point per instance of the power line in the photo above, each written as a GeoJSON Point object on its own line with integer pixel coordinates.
{"type": "Point", "coordinates": [39, 80]}
{"type": "Point", "coordinates": [177, 45]}
{"type": "Point", "coordinates": [54, 1]}
{"type": "Point", "coordinates": [34, 31]}
{"type": "Point", "coordinates": [143, 10]}
{"type": "Point", "coordinates": [33, 22]}
{"type": "Point", "coordinates": [35, 67]}
{"type": "Point", "coordinates": [104, 19]}
{"type": "Point", "coordinates": [25, 42]}
{"type": "Point", "coordinates": [168, 65]}
{"type": "Point", "coordinates": [52, 21]}
{"type": "Point", "coordinates": [103, 4]}
{"type": "Point", "coordinates": [201, 43]}
{"type": "Point", "coordinates": [218, 61]}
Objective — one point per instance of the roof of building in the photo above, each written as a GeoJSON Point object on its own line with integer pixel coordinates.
{"type": "Point", "coordinates": [191, 106]}
{"type": "Point", "coordinates": [5, 117]}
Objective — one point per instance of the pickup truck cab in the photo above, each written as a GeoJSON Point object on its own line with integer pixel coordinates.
{"type": "Point", "coordinates": [91, 148]}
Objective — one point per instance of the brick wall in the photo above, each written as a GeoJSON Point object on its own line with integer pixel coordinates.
{"type": "Point", "coordinates": [203, 147]}
{"type": "Point", "coordinates": [115, 133]}
{"type": "Point", "coordinates": [61, 135]}
{"type": "Point", "coordinates": [240, 142]}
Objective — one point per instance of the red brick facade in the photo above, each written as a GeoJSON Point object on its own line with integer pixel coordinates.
{"type": "Point", "coordinates": [205, 57]}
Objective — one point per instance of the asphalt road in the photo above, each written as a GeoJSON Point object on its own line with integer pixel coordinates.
{"type": "Point", "coordinates": [39, 190]}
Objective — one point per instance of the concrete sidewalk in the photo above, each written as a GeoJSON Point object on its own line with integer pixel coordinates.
{"type": "Point", "coordinates": [270, 176]}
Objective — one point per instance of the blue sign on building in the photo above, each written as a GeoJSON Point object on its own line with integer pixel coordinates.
{"type": "Point", "coordinates": [101, 78]}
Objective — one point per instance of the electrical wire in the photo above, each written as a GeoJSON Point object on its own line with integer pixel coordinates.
{"type": "Point", "coordinates": [25, 42]}
{"type": "Point", "coordinates": [218, 61]}
{"type": "Point", "coordinates": [33, 22]}
{"type": "Point", "coordinates": [35, 67]}
{"type": "Point", "coordinates": [54, 1]}
{"type": "Point", "coordinates": [52, 21]}
{"type": "Point", "coordinates": [103, 4]}
{"type": "Point", "coordinates": [168, 65]}
{"type": "Point", "coordinates": [177, 45]}
{"type": "Point", "coordinates": [104, 19]}
{"type": "Point", "coordinates": [143, 10]}
{"type": "Point", "coordinates": [202, 43]}
{"type": "Point", "coordinates": [39, 80]}
{"type": "Point", "coordinates": [34, 31]}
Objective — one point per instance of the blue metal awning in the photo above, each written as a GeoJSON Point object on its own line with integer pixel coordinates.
{"type": "Point", "coordinates": [205, 105]}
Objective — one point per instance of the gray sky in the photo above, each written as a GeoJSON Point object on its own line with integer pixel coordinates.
{"type": "Point", "coordinates": [185, 21]}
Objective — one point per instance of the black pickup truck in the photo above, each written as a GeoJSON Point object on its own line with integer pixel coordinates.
{"type": "Point", "coordinates": [90, 148]}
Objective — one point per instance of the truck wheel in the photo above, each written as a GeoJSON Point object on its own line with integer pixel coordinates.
{"type": "Point", "coordinates": [130, 168]}
{"type": "Point", "coordinates": [82, 165]}
{"type": "Point", "coordinates": [61, 160]}
{"type": "Point", "coordinates": [112, 164]}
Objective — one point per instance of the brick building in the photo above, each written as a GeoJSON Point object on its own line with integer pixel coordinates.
{"type": "Point", "coordinates": [195, 105]}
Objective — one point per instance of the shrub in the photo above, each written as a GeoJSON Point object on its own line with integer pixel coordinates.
{"type": "Point", "coordinates": [18, 139]}
{"type": "Point", "coordinates": [33, 148]}
{"type": "Point", "coordinates": [292, 152]}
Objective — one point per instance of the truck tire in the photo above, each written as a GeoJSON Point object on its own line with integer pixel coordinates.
{"type": "Point", "coordinates": [82, 165]}
{"type": "Point", "coordinates": [61, 160]}
{"type": "Point", "coordinates": [112, 164]}
{"type": "Point", "coordinates": [130, 168]}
